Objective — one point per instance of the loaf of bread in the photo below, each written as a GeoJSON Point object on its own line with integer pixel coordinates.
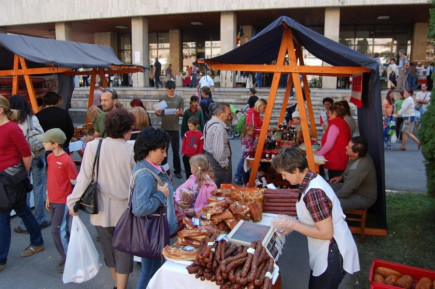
{"type": "Point", "coordinates": [404, 281]}
{"type": "Point", "coordinates": [424, 283]}
{"type": "Point", "coordinates": [378, 279]}
{"type": "Point", "coordinates": [385, 272]}
{"type": "Point", "coordinates": [391, 280]}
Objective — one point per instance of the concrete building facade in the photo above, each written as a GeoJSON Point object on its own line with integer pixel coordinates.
{"type": "Point", "coordinates": [180, 32]}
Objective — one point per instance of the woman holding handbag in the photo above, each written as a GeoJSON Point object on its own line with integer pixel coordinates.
{"type": "Point", "coordinates": [115, 165]}
{"type": "Point", "coordinates": [148, 195]}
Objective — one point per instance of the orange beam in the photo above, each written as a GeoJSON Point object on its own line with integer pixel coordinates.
{"type": "Point", "coordinates": [15, 81]}
{"type": "Point", "coordinates": [310, 70]}
{"type": "Point", "coordinates": [29, 85]}
{"type": "Point", "coordinates": [268, 112]}
{"type": "Point", "coordinates": [100, 72]}
{"type": "Point", "coordinates": [31, 71]}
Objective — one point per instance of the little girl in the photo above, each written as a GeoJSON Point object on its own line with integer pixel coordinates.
{"type": "Point", "coordinates": [248, 144]}
{"type": "Point", "coordinates": [192, 195]}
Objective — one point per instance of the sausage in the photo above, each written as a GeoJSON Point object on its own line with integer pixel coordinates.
{"type": "Point", "coordinates": [230, 250]}
{"type": "Point", "coordinates": [260, 274]}
{"type": "Point", "coordinates": [247, 265]}
{"type": "Point", "coordinates": [268, 280]}
{"type": "Point", "coordinates": [236, 263]}
{"type": "Point", "coordinates": [254, 265]}
{"type": "Point", "coordinates": [231, 259]}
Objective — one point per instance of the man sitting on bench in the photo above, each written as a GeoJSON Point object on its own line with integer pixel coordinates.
{"type": "Point", "coordinates": [356, 188]}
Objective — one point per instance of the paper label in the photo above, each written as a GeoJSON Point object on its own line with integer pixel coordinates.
{"type": "Point", "coordinates": [188, 248]}
{"type": "Point", "coordinates": [221, 237]}
{"type": "Point", "coordinates": [268, 275]}
{"type": "Point", "coordinates": [210, 244]}
{"type": "Point", "coordinates": [251, 250]}
{"type": "Point", "coordinates": [196, 222]}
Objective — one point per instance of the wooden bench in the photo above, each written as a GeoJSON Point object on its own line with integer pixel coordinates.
{"type": "Point", "coordinates": [357, 216]}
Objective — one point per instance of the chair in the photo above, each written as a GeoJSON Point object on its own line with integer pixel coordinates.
{"type": "Point", "coordinates": [357, 216]}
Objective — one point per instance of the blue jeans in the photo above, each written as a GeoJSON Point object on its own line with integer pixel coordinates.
{"type": "Point", "coordinates": [39, 180]}
{"type": "Point", "coordinates": [193, 81]}
{"type": "Point", "coordinates": [331, 278]}
{"type": "Point", "coordinates": [239, 170]}
{"type": "Point", "coordinates": [149, 267]}
{"type": "Point", "coordinates": [5, 230]}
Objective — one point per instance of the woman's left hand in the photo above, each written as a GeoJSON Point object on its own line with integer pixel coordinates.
{"type": "Point", "coordinates": [285, 224]}
{"type": "Point", "coordinates": [164, 189]}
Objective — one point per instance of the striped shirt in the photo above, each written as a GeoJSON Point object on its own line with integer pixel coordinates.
{"type": "Point", "coordinates": [216, 141]}
{"type": "Point", "coordinates": [316, 200]}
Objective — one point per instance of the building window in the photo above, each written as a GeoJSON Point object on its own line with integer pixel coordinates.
{"type": "Point", "coordinates": [124, 48]}
{"type": "Point", "coordinates": [159, 48]}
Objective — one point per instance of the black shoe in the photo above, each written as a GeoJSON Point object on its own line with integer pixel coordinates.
{"type": "Point", "coordinates": [178, 175]}
{"type": "Point", "coordinates": [20, 231]}
{"type": "Point", "coordinates": [44, 224]}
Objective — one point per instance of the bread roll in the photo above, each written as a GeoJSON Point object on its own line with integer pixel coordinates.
{"type": "Point", "coordinates": [385, 272]}
{"type": "Point", "coordinates": [391, 280]}
{"type": "Point", "coordinates": [424, 283]}
{"type": "Point", "coordinates": [404, 281]}
{"type": "Point", "coordinates": [378, 279]}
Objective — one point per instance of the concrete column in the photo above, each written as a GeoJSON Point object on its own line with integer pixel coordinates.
{"type": "Point", "coordinates": [228, 43]}
{"type": "Point", "coordinates": [419, 42]}
{"type": "Point", "coordinates": [176, 51]}
{"type": "Point", "coordinates": [63, 31]}
{"type": "Point", "coordinates": [140, 49]}
{"type": "Point", "coordinates": [332, 31]}
{"type": "Point", "coordinates": [108, 39]}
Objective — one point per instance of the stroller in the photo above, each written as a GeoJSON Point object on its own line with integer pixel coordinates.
{"type": "Point", "coordinates": [389, 131]}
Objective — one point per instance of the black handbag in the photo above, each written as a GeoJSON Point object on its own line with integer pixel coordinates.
{"type": "Point", "coordinates": [88, 202]}
{"type": "Point", "coordinates": [142, 236]}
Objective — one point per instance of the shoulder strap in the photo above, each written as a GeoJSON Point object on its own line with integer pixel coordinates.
{"type": "Point", "coordinates": [97, 160]}
{"type": "Point", "coordinates": [133, 178]}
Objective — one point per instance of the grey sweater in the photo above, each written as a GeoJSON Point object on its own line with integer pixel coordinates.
{"type": "Point", "coordinates": [359, 178]}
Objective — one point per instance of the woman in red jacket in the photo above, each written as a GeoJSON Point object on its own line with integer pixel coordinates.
{"type": "Point", "coordinates": [334, 142]}
{"type": "Point", "coordinates": [253, 115]}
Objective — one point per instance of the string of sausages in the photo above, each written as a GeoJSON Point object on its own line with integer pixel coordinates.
{"type": "Point", "coordinates": [232, 266]}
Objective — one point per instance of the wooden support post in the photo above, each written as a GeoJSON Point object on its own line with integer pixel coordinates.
{"type": "Point", "coordinates": [29, 85]}
{"type": "Point", "coordinates": [269, 108]}
{"type": "Point", "coordinates": [103, 77]}
{"type": "Point", "coordinates": [15, 79]}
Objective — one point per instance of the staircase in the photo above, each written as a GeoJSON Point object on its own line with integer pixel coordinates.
{"type": "Point", "coordinates": [236, 96]}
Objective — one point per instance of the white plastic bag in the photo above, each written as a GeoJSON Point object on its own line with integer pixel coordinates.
{"type": "Point", "coordinates": [82, 257]}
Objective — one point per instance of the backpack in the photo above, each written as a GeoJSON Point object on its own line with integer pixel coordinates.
{"type": "Point", "coordinates": [35, 145]}
{"type": "Point", "coordinates": [211, 105]}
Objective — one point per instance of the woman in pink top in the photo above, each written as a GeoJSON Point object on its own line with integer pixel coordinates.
{"type": "Point", "coordinates": [192, 195]}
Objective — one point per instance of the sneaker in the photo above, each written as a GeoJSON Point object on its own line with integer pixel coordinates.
{"type": "Point", "coordinates": [238, 182]}
{"type": "Point", "coordinates": [60, 268]}
{"type": "Point", "coordinates": [178, 175]}
{"type": "Point", "coordinates": [31, 250]}
{"type": "Point", "coordinates": [2, 267]}
{"type": "Point", "coordinates": [44, 224]}
{"type": "Point", "coordinates": [19, 230]}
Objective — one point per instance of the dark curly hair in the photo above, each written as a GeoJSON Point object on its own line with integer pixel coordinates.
{"type": "Point", "coordinates": [118, 122]}
{"type": "Point", "coordinates": [52, 98]}
{"type": "Point", "coordinates": [150, 139]}
{"type": "Point", "coordinates": [20, 103]}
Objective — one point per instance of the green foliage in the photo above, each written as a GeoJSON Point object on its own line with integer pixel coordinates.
{"type": "Point", "coordinates": [426, 133]}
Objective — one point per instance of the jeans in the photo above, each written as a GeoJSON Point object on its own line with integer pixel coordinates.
{"type": "Point", "coordinates": [32, 227]}
{"type": "Point", "coordinates": [239, 170]}
{"type": "Point", "coordinates": [331, 278]}
{"type": "Point", "coordinates": [39, 180]}
{"type": "Point", "coordinates": [412, 82]}
{"type": "Point", "coordinates": [175, 144]}
{"type": "Point", "coordinates": [149, 267]}
{"type": "Point", "coordinates": [59, 228]}
{"type": "Point", "coordinates": [194, 81]}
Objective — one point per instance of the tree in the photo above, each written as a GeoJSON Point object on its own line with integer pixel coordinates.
{"type": "Point", "coordinates": [427, 130]}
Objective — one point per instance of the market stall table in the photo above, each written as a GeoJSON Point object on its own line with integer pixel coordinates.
{"type": "Point", "coordinates": [174, 275]}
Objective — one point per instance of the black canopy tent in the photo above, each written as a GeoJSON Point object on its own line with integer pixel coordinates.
{"type": "Point", "coordinates": [24, 56]}
{"type": "Point", "coordinates": [285, 35]}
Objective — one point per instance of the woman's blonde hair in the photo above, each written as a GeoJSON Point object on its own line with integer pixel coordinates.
{"type": "Point", "coordinates": [259, 103]}
{"type": "Point", "coordinates": [204, 168]}
{"type": "Point", "coordinates": [92, 113]}
{"type": "Point", "coordinates": [141, 117]}
{"type": "Point", "coordinates": [4, 103]}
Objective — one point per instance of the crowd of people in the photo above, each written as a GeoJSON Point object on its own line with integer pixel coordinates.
{"type": "Point", "coordinates": [126, 140]}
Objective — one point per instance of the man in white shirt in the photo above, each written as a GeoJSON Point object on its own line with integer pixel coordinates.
{"type": "Point", "coordinates": [422, 99]}
{"type": "Point", "coordinates": [217, 145]}
{"type": "Point", "coordinates": [206, 80]}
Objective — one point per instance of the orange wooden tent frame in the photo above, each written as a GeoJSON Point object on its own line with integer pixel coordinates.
{"type": "Point", "coordinates": [294, 70]}
{"type": "Point", "coordinates": [20, 68]}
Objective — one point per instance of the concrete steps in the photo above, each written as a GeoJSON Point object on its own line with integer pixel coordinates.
{"type": "Point", "coordinates": [236, 96]}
